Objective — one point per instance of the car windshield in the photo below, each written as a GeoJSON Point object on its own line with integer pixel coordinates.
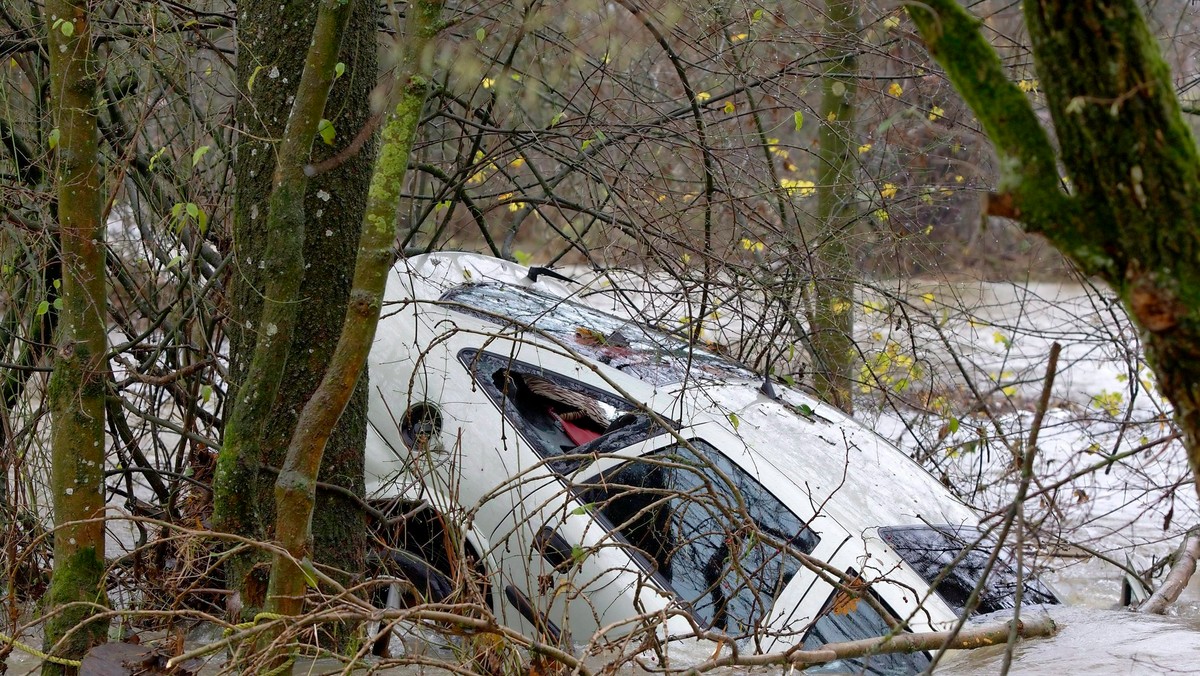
{"type": "Point", "coordinates": [932, 552]}
{"type": "Point", "coordinates": [652, 355]}
{"type": "Point", "coordinates": [847, 617]}
{"type": "Point", "coordinates": [679, 507]}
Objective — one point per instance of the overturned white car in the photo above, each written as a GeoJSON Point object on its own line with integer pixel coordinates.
{"type": "Point", "coordinates": [603, 477]}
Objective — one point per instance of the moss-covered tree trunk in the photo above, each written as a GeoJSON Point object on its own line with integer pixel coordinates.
{"type": "Point", "coordinates": [296, 487]}
{"type": "Point", "coordinates": [273, 41]}
{"type": "Point", "coordinates": [77, 384]}
{"type": "Point", "coordinates": [833, 296]}
{"type": "Point", "coordinates": [1133, 217]}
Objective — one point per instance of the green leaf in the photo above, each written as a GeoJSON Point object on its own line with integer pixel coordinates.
{"type": "Point", "coordinates": [155, 156]}
{"type": "Point", "coordinates": [807, 410]}
{"type": "Point", "coordinates": [325, 129]}
{"type": "Point", "coordinates": [55, 134]}
{"type": "Point", "coordinates": [43, 307]}
{"type": "Point", "coordinates": [57, 283]}
{"type": "Point", "coordinates": [798, 117]}
{"type": "Point", "coordinates": [557, 118]}
{"type": "Point", "coordinates": [578, 554]}
{"type": "Point", "coordinates": [206, 393]}
{"type": "Point", "coordinates": [67, 28]}
{"type": "Point", "coordinates": [583, 509]}
{"type": "Point", "coordinates": [199, 154]}
{"type": "Point", "coordinates": [310, 573]}
{"type": "Point", "coordinates": [58, 304]}
{"type": "Point", "coordinates": [176, 209]}
{"type": "Point", "coordinates": [202, 222]}
{"type": "Point", "coordinates": [250, 80]}
{"type": "Point", "coordinates": [733, 420]}
{"type": "Point", "coordinates": [192, 209]}
{"type": "Point", "coordinates": [757, 16]}
{"type": "Point", "coordinates": [339, 70]}
{"type": "Point", "coordinates": [952, 425]}
{"type": "Point", "coordinates": [480, 34]}
{"type": "Point", "coordinates": [587, 143]}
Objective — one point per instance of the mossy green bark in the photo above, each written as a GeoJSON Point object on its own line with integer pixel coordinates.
{"type": "Point", "coordinates": [832, 324]}
{"type": "Point", "coordinates": [1133, 215]}
{"type": "Point", "coordinates": [296, 487]}
{"type": "Point", "coordinates": [77, 386]}
{"type": "Point", "coordinates": [275, 271]}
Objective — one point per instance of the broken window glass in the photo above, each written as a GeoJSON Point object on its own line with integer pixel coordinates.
{"type": "Point", "coordinates": [652, 355]}
{"type": "Point", "coordinates": [558, 416]}
{"type": "Point", "coordinates": [701, 523]}
{"type": "Point", "coordinates": [846, 617]}
{"type": "Point", "coordinates": [930, 550]}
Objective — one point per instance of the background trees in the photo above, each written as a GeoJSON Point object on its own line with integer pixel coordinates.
{"type": "Point", "coordinates": [691, 147]}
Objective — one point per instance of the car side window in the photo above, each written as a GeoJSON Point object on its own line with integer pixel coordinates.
{"type": "Point", "coordinates": [708, 528]}
{"type": "Point", "coordinates": [848, 617]}
{"type": "Point", "coordinates": [563, 419]}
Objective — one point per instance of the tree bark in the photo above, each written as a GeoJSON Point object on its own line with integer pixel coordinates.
{"type": "Point", "coordinates": [280, 264]}
{"type": "Point", "coordinates": [1176, 580]}
{"type": "Point", "coordinates": [1133, 215]}
{"type": "Point", "coordinates": [77, 385]}
{"type": "Point", "coordinates": [296, 487]}
{"type": "Point", "coordinates": [833, 294]}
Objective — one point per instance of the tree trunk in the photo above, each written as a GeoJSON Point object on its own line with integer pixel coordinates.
{"type": "Point", "coordinates": [269, 346]}
{"type": "Point", "coordinates": [1133, 216]}
{"type": "Point", "coordinates": [296, 487]}
{"type": "Point", "coordinates": [77, 385]}
{"type": "Point", "coordinates": [833, 262]}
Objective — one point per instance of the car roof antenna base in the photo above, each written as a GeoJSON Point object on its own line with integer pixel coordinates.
{"type": "Point", "coordinates": [539, 270]}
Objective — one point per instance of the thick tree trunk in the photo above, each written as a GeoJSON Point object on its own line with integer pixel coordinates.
{"type": "Point", "coordinates": [1133, 217]}
{"type": "Point", "coordinates": [296, 488]}
{"type": "Point", "coordinates": [272, 282]}
{"type": "Point", "coordinates": [833, 296]}
{"type": "Point", "coordinates": [78, 382]}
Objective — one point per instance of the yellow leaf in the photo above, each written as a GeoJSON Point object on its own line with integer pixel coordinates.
{"type": "Point", "coordinates": [928, 298]}
{"type": "Point", "coordinates": [888, 191]}
{"type": "Point", "coordinates": [831, 116]}
{"type": "Point", "coordinates": [891, 22]}
{"type": "Point", "coordinates": [729, 107]}
{"type": "Point", "coordinates": [935, 112]}
{"type": "Point", "coordinates": [739, 37]}
{"type": "Point", "coordinates": [895, 89]}
{"type": "Point", "coordinates": [798, 186]}
{"type": "Point", "coordinates": [701, 97]}
{"type": "Point", "coordinates": [517, 163]}
{"type": "Point", "coordinates": [864, 148]}
{"type": "Point", "coordinates": [488, 82]}
{"type": "Point", "coordinates": [881, 215]}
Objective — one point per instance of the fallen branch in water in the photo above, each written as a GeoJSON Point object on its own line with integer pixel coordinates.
{"type": "Point", "coordinates": [965, 639]}
{"type": "Point", "coordinates": [1177, 579]}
